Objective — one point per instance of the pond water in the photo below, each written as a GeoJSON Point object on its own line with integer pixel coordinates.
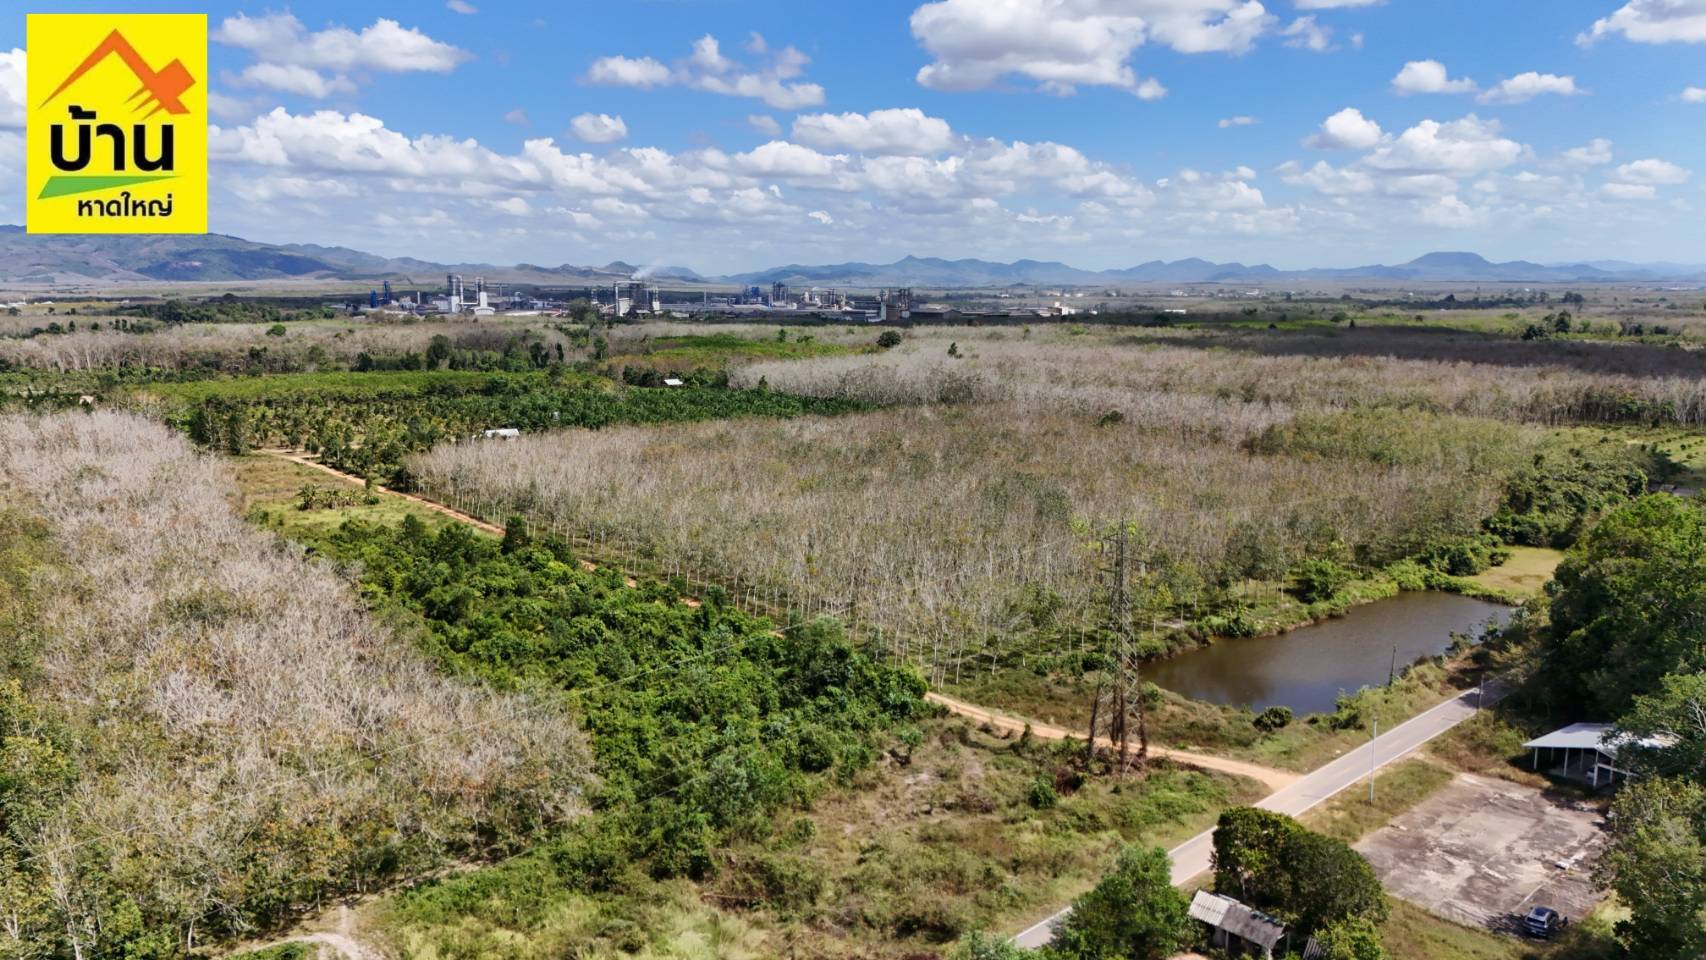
{"type": "Point", "coordinates": [1306, 668]}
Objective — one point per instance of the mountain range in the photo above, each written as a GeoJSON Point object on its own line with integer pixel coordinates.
{"type": "Point", "coordinates": [77, 259]}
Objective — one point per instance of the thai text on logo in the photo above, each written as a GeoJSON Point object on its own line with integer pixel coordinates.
{"type": "Point", "coordinates": [117, 130]}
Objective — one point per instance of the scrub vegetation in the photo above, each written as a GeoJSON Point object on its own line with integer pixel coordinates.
{"type": "Point", "coordinates": [671, 702]}
{"type": "Point", "coordinates": [203, 732]}
{"type": "Point", "coordinates": [958, 526]}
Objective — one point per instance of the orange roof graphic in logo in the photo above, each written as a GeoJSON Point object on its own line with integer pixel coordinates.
{"type": "Point", "coordinates": [163, 88]}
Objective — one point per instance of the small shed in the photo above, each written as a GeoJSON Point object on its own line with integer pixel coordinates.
{"type": "Point", "coordinates": [1235, 927]}
{"type": "Point", "coordinates": [673, 382]}
{"type": "Point", "coordinates": [503, 433]}
{"type": "Point", "coordinates": [1588, 751]}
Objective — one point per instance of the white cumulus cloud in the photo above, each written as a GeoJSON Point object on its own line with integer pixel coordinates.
{"type": "Point", "coordinates": [1653, 172]}
{"type": "Point", "coordinates": [1429, 76]}
{"type": "Point", "coordinates": [1694, 95]}
{"type": "Point", "coordinates": [1652, 21]}
{"type": "Point", "coordinates": [1594, 153]}
{"type": "Point", "coordinates": [1630, 191]}
{"type": "Point", "coordinates": [1063, 44]}
{"type": "Point", "coordinates": [1469, 145]}
{"type": "Point", "coordinates": [1238, 121]}
{"type": "Point", "coordinates": [707, 69]}
{"type": "Point", "coordinates": [12, 90]}
{"type": "Point", "coordinates": [291, 58]}
{"type": "Point", "coordinates": [900, 132]}
{"type": "Point", "coordinates": [598, 128]}
{"type": "Point", "coordinates": [1449, 211]}
{"type": "Point", "coordinates": [385, 45]}
{"type": "Point", "coordinates": [618, 71]}
{"type": "Point", "coordinates": [1306, 34]}
{"type": "Point", "coordinates": [1526, 86]}
{"type": "Point", "coordinates": [292, 78]}
{"type": "Point", "coordinates": [1346, 130]}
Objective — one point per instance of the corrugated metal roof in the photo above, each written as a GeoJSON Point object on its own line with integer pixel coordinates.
{"type": "Point", "coordinates": [1591, 736]}
{"type": "Point", "coordinates": [1227, 914]}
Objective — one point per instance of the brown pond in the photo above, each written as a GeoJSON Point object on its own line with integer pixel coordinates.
{"type": "Point", "coordinates": [1305, 669]}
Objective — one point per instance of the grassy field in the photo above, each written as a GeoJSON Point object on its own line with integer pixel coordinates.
{"type": "Point", "coordinates": [1412, 933]}
{"type": "Point", "coordinates": [342, 383]}
{"type": "Point", "coordinates": [267, 493]}
{"type": "Point", "coordinates": [1523, 576]}
{"type": "Point", "coordinates": [949, 836]}
{"type": "Point", "coordinates": [718, 351]}
{"type": "Point", "coordinates": [1349, 816]}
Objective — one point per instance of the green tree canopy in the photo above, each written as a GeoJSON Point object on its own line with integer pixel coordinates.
{"type": "Point", "coordinates": [1656, 862]}
{"type": "Point", "coordinates": [1134, 912]}
{"type": "Point", "coordinates": [1631, 604]}
{"type": "Point", "coordinates": [1677, 713]}
{"type": "Point", "coordinates": [1356, 938]}
{"type": "Point", "coordinates": [1270, 862]}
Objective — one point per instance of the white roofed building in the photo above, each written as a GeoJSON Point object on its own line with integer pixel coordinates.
{"type": "Point", "coordinates": [1588, 751]}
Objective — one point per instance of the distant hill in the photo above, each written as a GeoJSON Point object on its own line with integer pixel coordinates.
{"type": "Point", "coordinates": [1445, 266]}
{"type": "Point", "coordinates": [65, 259]}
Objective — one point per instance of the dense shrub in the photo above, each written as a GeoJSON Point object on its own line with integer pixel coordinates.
{"type": "Point", "coordinates": [1269, 861]}
{"type": "Point", "coordinates": [368, 426]}
{"type": "Point", "coordinates": [1630, 602]}
{"type": "Point", "coordinates": [1320, 578]}
{"type": "Point", "coordinates": [1134, 913]}
{"type": "Point", "coordinates": [1273, 718]}
{"type": "Point", "coordinates": [1553, 498]}
{"type": "Point", "coordinates": [729, 718]}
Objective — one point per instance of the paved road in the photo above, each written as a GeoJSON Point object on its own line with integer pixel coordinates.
{"type": "Point", "coordinates": [1350, 769]}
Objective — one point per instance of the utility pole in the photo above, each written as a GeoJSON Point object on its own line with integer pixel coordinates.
{"type": "Point", "coordinates": [1119, 705]}
{"type": "Point", "coordinates": [1373, 739]}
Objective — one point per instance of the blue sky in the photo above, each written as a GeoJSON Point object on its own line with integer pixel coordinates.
{"type": "Point", "coordinates": [1100, 132]}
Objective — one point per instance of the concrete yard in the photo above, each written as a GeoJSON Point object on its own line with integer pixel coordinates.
{"type": "Point", "coordinates": [1482, 852]}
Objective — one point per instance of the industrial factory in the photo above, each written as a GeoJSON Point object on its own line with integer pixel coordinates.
{"type": "Point", "coordinates": [639, 299]}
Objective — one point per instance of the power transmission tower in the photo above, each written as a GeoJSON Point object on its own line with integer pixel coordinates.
{"type": "Point", "coordinates": [1119, 708]}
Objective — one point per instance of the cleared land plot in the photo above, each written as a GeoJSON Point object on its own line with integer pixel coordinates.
{"type": "Point", "coordinates": [1482, 852]}
{"type": "Point", "coordinates": [1524, 575]}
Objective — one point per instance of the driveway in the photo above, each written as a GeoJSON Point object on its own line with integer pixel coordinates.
{"type": "Point", "coordinates": [1482, 852]}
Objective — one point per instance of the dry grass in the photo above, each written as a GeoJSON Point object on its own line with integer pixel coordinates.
{"type": "Point", "coordinates": [228, 345]}
{"type": "Point", "coordinates": [1349, 816]}
{"type": "Point", "coordinates": [1524, 575]}
{"type": "Point", "coordinates": [944, 528]}
{"type": "Point", "coordinates": [242, 724]}
{"type": "Point", "coordinates": [1265, 374]}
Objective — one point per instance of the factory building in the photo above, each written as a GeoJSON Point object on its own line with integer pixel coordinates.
{"type": "Point", "coordinates": [634, 296]}
{"type": "Point", "coordinates": [456, 302]}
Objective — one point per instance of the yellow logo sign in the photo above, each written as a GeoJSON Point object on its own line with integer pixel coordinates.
{"type": "Point", "coordinates": [116, 136]}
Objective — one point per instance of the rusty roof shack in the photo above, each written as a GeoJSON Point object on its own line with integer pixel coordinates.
{"type": "Point", "coordinates": [1235, 927]}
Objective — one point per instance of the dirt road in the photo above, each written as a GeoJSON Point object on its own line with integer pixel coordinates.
{"type": "Point", "coordinates": [1274, 780]}
{"type": "Point", "coordinates": [432, 505]}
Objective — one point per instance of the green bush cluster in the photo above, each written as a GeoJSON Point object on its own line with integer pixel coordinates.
{"type": "Point", "coordinates": [369, 428]}
{"type": "Point", "coordinates": [704, 721]}
{"type": "Point", "coordinates": [1320, 578]}
{"type": "Point", "coordinates": [1271, 862]}
{"type": "Point", "coordinates": [1626, 641]}
{"type": "Point", "coordinates": [1549, 501]}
